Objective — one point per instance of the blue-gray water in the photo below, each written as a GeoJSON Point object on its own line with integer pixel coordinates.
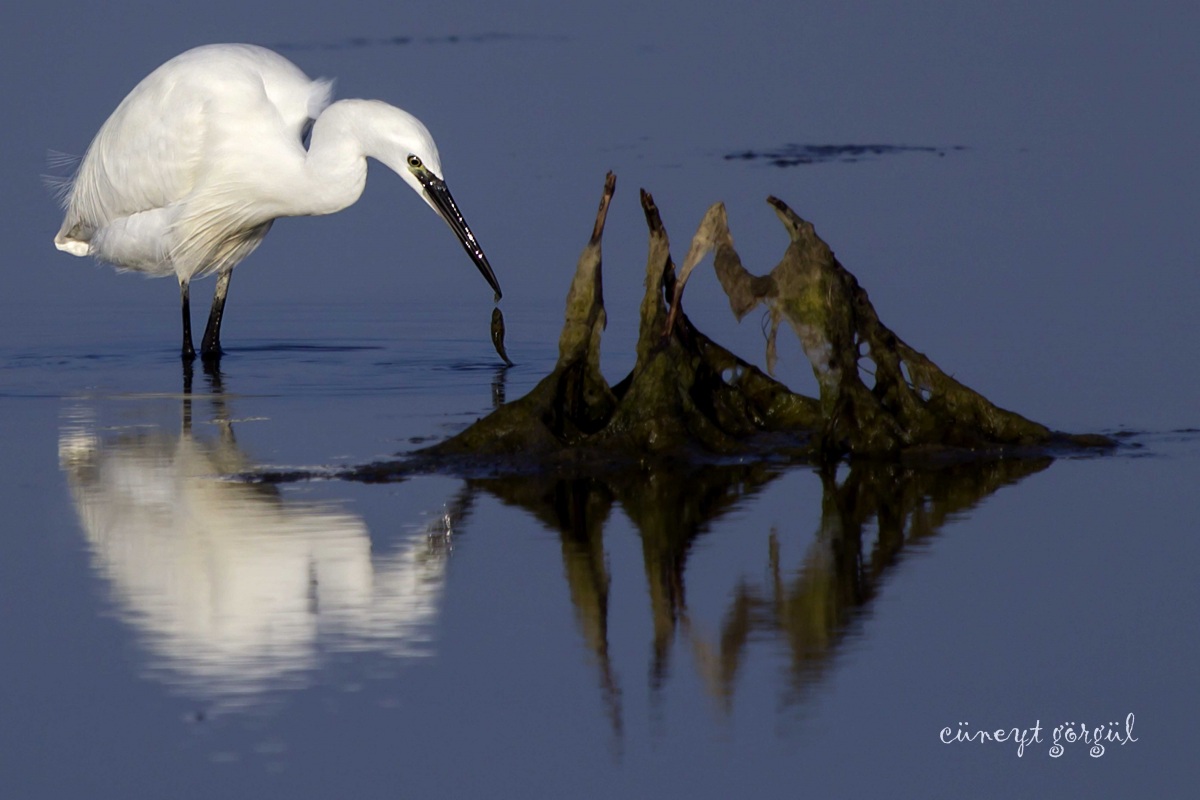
{"type": "Point", "coordinates": [1028, 221]}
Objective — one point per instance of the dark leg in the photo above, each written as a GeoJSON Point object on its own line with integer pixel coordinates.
{"type": "Point", "coordinates": [211, 347]}
{"type": "Point", "coordinates": [189, 352]}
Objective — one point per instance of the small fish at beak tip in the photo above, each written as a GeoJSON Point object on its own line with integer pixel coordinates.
{"type": "Point", "coordinates": [498, 335]}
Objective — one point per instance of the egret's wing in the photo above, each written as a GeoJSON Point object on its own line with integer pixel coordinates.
{"type": "Point", "coordinates": [180, 151]}
{"type": "Point", "coordinates": [145, 157]}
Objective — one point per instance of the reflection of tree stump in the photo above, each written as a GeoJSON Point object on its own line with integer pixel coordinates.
{"type": "Point", "coordinates": [862, 525]}
{"type": "Point", "coordinates": [687, 395]}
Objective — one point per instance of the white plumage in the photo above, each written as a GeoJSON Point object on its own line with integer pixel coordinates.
{"type": "Point", "coordinates": [189, 172]}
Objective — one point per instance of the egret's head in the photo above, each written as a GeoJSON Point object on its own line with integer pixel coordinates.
{"type": "Point", "coordinates": [406, 146]}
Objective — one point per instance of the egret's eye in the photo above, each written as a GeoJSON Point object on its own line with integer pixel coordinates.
{"type": "Point", "coordinates": [414, 162]}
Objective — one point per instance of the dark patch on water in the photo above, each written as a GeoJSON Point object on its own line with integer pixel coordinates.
{"type": "Point", "coordinates": [472, 366]}
{"type": "Point", "coordinates": [358, 42]}
{"type": "Point", "coordinates": [300, 347]}
{"type": "Point", "coordinates": [794, 155]}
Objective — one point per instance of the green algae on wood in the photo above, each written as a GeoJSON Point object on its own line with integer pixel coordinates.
{"type": "Point", "coordinates": [912, 404]}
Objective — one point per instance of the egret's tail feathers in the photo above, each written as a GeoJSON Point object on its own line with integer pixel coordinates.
{"type": "Point", "coordinates": [58, 161]}
{"type": "Point", "coordinates": [60, 179]}
{"type": "Point", "coordinates": [64, 169]}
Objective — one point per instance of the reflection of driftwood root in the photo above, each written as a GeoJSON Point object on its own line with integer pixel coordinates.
{"type": "Point", "coordinates": [863, 524]}
{"type": "Point", "coordinates": [688, 395]}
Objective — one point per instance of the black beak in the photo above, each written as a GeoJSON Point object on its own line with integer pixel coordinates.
{"type": "Point", "coordinates": [442, 200]}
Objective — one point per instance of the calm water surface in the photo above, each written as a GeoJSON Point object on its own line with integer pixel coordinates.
{"type": "Point", "coordinates": [1015, 185]}
{"type": "Point", "coordinates": [734, 629]}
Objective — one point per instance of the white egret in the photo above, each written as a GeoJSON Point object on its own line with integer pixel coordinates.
{"type": "Point", "coordinates": [194, 165]}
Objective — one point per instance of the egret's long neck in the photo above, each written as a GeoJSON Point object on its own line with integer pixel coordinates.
{"type": "Point", "coordinates": [335, 170]}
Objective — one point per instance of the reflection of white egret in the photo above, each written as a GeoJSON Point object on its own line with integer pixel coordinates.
{"type": "Point", "coordinates": [231, 587]}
